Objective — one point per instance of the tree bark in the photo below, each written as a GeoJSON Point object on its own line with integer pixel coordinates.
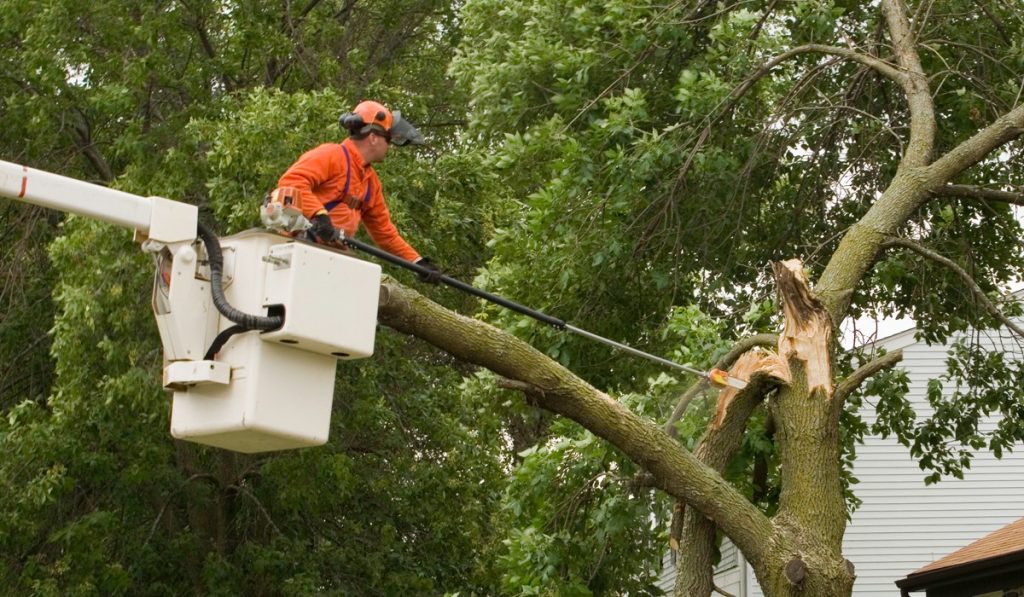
{"type": "Point", "coordinates": [806, 554]}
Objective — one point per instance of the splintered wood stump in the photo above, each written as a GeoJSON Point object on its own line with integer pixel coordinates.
{"type": "Point", "coordinates": [807, 333]}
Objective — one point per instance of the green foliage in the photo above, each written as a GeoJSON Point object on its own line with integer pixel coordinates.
{"type": "Point", "coordinates": [208, 102]}
{"type": "Point", "coordinates": [581, 525]}
{"type": "Point", "coordinates": [980, 384]}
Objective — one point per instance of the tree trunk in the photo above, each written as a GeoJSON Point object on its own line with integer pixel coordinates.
{"type": "Point", "coordinates": [806, 554]}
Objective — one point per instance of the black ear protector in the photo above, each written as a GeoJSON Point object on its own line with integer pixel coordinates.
{"type": "Point", "coordinates": [351, 122]}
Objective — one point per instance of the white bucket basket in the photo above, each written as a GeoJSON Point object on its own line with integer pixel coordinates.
{"type": "Point", "coordinates": [282, 382]}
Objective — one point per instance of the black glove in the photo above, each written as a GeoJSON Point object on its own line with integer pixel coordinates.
{"type": "Point", "coordinates": [322, 231]}
{"type": "Point", "coordinates": [432, 275]}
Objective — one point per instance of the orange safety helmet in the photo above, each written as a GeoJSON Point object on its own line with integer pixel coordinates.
{"type": "Point", "coordinates": [372, 117]}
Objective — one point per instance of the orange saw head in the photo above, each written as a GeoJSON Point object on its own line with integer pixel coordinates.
{"type": "Point", "coordinates": [722, 379]}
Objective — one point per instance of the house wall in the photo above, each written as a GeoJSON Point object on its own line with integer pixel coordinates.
{"type": "Point", "coordinates": [904, 525]}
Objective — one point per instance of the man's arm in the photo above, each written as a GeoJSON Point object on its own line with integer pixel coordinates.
{"type": "Point", "coordinates": [378, 223]}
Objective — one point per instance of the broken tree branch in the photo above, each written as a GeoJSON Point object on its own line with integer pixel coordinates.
{"type": "Point", "coordinates": [674, 470]}
{"type": "Point", "coordinates": [701, 385]}
{"type": "Point", "coordinates": [807, 335]}
{"type": "Point", "coordinates": [691, 530]}
{"type": "Point", "coordinates": [953, 266]}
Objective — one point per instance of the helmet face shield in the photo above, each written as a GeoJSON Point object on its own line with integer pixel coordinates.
{"type": "Point", "coordinates": [403, 132]}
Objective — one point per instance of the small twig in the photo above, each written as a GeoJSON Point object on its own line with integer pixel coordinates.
{"type": "Point", "coordinates": [995, 22]}
{"type": "Point", "coordinates": [726, 106]}
{"type": "Point", "coordinates": [532, 392]}
{"type": "Point", "coordinates": [160, 515]}
{"type": "Point", "coordinates": [259, 506]}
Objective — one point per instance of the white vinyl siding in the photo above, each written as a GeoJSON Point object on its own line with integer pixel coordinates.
{"type": "Point", "coordinates": [902, 524]}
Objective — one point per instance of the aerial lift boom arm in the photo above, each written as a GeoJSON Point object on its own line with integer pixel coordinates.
{"type": "Point", "coordinates": [151, 217]}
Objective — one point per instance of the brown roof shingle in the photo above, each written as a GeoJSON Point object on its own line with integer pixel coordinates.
{"type": "Point", "coordinates": [1007, 540]}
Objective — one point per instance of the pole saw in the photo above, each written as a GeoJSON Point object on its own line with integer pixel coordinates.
{"type": "Point", "coordinates": [715, 376]}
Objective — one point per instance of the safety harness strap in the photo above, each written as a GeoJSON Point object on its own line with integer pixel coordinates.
{"type": "Point", "coordinates": [345, 198]}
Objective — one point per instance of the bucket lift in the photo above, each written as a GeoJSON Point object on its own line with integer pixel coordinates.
{"type": "Point", "coordinates": [269, 389]}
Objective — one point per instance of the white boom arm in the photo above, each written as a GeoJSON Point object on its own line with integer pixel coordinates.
{"type": "Point", "coordinates": [156, 218]}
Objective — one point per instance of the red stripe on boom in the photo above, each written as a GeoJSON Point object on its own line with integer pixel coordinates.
{"type": "Point", "coordinates": [24, 182]}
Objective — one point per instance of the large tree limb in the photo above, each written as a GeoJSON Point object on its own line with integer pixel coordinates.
{"type": "Point", "coordinates": [1005, 129]}
{"type": "Point", "coordinates": [674, 470]}
{"type": "Point", "coordinates": [914, 83]}
{"type": "Point", "coordinates": [953, 266]}
{"type": "Point", "coordinates": [981, 193]}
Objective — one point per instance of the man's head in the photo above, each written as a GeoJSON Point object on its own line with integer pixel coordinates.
{"type": "Point", "coordinates": [375, 127]}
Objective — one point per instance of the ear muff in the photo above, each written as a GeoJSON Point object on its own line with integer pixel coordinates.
{"type": "Point", "coordinates": [371, 117]}
{"type": "Point", "coordinates": [351, 123]}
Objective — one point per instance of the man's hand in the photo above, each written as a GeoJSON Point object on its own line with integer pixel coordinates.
{"type": "Point", "coordinates": [432, 275]}
{"type": "Point", "coordinates": [322, 230]}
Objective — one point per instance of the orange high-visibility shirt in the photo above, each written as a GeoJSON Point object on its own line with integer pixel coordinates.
{"type": "Point", "coordinates": [334, 176]}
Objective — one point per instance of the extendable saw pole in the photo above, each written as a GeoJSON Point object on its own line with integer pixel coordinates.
{"type": "Point", "coordinates": [715, 376]}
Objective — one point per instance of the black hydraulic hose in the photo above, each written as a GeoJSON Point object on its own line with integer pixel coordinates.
{"type": "Point", "coordinates": [222, 339]}
{"type": "Point", "coordinates": [419, 269]}
{"type": "Point", "coordinates": [216, 257]}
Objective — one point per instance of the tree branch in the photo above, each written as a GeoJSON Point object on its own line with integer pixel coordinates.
{"type": "Point", "coordinates": [980, 193]}
{"type": "Point", "coordinates": [865, 371]}
{"type": "Point", "coordinates": [83, 134]}
{"type": "Point", "coordinates": [914, 83]}
{"type": "Point", "coordinates": [674, 470]}
{"type": "Point", "coordinates": [742, 346]}
{"type": "Point", "coordinates": [1005, 129]}
{"type": "Point", "coordinates": [959, 271]}
{"type": "Point", "coordinates": [908, 191]}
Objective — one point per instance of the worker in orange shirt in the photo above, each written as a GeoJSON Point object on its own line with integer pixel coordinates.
{"type": "Point", "coordinates": [336, 187]}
